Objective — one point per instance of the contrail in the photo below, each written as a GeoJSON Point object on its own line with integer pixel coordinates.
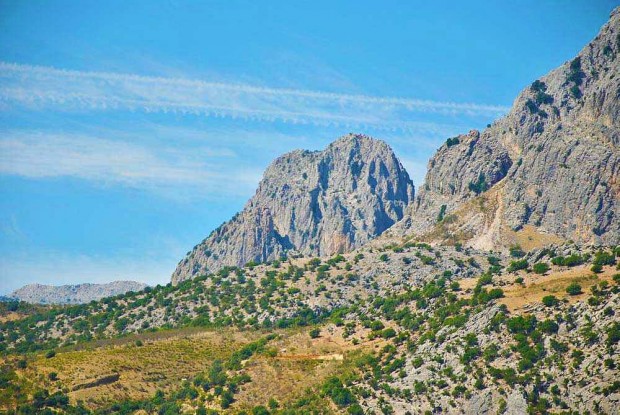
{"type": "Point", "coordinates": [44, 87]}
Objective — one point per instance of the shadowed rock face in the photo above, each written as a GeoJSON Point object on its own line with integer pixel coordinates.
{"type": "Point", "coordinates": [552, 161]}
{"type": "Point", "coordinates": [314, 203]}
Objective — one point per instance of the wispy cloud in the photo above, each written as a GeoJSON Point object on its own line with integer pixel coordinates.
{"type": "Point", "coordinates": [46, 87]}
{"type": "Point", "coordinates": [45, 155]}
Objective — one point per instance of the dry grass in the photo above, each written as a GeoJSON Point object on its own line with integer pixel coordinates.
{"type": "Point", "coordinates": [518, 296]}
{"type": "Point", "coordinates": [530, 238]}
{"type": "Point", "coordinates": [301, 364]}
{"type": "Point", "coordinates": [160, 363]}
{"type": "Point", "coordinates": [535, 287]}
{"type": "Point", "coordinates": [294, 363]}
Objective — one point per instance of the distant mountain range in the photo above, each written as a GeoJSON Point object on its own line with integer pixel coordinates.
{"type": "Point", "coordinates": [73, 294]}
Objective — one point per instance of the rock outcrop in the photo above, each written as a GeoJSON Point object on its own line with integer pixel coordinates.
{"type": "Point", "coordinates": [312, 203]}
{"type": "Point", "coordinates": [73, 294]}
{"type": "Point", "coordinates": [551, 163]}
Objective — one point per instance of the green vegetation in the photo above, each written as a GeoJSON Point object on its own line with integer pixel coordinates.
{"type": "Point", "coordinates": [574, 289]}
{"type": "Point", "coordinates": [452, 141]}
{"type": "Point", "coordinates": [421, 324]}
{"type": "Point", "coordinates": [518, 265]}
{"type": "Point", "coordinates": [550, 301]}
{"type": "Point", "coordinates": [442, 213]}
{"type": "Point", "coordinates": [575, 77]}
{"type": "Point", "coordinates": [480, 185]}
{"type": "Point", "coordinates": [540, 268]}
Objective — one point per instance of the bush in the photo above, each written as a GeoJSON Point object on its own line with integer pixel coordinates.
{"type": "Point", "coordinates": [574, 289]}
{"type": "Point", "coordinates": [518, 265]}
{"type": "Point", "coordinates": [50, 354]}
{"type": "Point", "coordinates": [516, 251]}
{"type": "Point", "coordinates": [597, 268]}
{"type": "Point", "coordinates": [604, 258]}
{"type": "Point", "coordinates": [341, 396]}
{"type": "Point", "coordinates": [540, 267]}
{"type": "Point", "coordinates": [452, 141]}
{"type": "Point", "coordinates": [548, 326]}
{"type": "Point", "coordinates": [480, 185]}
{"type": "Point", "coordinates": [314, 333]}
{"type": "Point", "coordinates": [550, 300]}
{"type": "Point", "coordinates": [388, 333]}
{"type": "Point", "coordinates": [260, 410]}
{"type": "Point", "coordinates": [522, 324]}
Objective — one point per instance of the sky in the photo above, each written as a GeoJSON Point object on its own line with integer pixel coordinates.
{"type": "Point", "coordinates": [130, 130]}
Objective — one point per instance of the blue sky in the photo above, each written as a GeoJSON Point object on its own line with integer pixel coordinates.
{"type": "Point", "coordinates": [129, 130]}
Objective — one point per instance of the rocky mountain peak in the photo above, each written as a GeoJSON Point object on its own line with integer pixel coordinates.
{"type": "Point", "coordinates": [550, 165]}
{"type": "Point", "coordinates": [312, 203]}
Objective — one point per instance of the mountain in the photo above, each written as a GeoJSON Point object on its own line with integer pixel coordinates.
{"type": "Point", "coordinates": [547, 171]}
{"type": "Point", "coordinates": [312, 203]}
{"type": "Point", "coordinates": [73, 294]}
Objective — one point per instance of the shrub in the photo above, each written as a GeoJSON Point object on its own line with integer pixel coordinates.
{"type": "Point", "coordinates": [341, 396]}
{"type": "Point", "coordinates": [388, 333]}
{"type": "Point", "coordinates": [516, 251]}
{"type": "Point", "coordinates": [604, 258]}
{"type": "Point", "coordinates": [480, 185]}
{"type": "Point", "coordinates": [314, 333]}
{"type": "Point", "coordinates": [518, 265]}
{"type": "Point", "coordinates": [548, 326]}
{"type": "Point", "coordinates": [613, 334]}
{"type": "Point", "coordinates": [550, 300]}
{"type": "Point", "coordinates": [540, 267]}
{"type": "Point", "coordinates": [574, 289]}
{"type": "Point", "coordinates": [384, 257]}
{"type": "Point", "coordinates": [50, 354]}
{"type": "Point", "coordinates": [597, 268]}
{"type": "Point", "coordinates": [452, 141]}
{"type": "Point", "coordinates": [442, 213]}
{"type": "Point", "coordinates": [260, 410]}
{"type": "Point", "coordinates": [522, 324]}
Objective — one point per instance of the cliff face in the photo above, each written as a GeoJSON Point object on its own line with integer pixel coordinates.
{"type": "Point", "coordinates": [314, 203]}
{"type": "Point", "coordinates": [551, 163]}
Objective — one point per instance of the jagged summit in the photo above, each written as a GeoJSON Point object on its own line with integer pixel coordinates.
{"type": "Point", "coordinates": [311, 202]}
{"type": "Point", "coordinates": [549, 168]}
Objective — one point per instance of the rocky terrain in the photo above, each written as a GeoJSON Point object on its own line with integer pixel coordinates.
{"type": "Point", "coordinates": [552, 163]}
{"type": "Point", "coordinates": [312, 203]}
{"type": "Point", "coordinates": [73, 294]}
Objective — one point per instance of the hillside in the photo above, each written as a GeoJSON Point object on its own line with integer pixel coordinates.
{"type": "Point", "coordinates": [405, 326]}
